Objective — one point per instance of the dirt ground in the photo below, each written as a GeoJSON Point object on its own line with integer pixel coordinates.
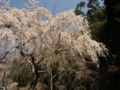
{"type": "Point", "coordinates": [39, 86]}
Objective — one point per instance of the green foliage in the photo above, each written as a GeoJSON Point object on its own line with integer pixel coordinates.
{"type": "Point", "coordinates": [79, 12]}
{"type": "Point", "coordinates": [79, 7]}
{"type": "Point", "coordinates": [22, 80]}
{"type": "Point", "coordinates": [96, 16]}
{"type": "Point", "coordinates": [19, 75]}
{"type": "Point", "coordinates": [95, 12]}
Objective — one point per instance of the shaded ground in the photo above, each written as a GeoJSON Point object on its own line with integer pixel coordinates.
{"type": "Point", "coordinates": [39, 86]}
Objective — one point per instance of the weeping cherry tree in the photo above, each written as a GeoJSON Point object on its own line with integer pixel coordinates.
{"type": "Point", "coordinates": [46, 42]}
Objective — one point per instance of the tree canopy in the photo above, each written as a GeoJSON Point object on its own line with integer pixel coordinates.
{"type": "Point", "coordinates": [79, 7]}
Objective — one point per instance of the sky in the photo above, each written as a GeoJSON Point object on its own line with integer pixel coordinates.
{"type": "Point", "coordinates": [52, 5]}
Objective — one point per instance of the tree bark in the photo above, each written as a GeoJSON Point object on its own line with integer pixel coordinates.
{"type": "Point", "coordinates": [51, 81]}
{"type": "Point", "coordinates": [35, 74]}
{"type": "Point", "coordinates": [34, 82]}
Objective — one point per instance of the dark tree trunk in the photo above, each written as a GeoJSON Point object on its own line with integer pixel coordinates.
{"type": "Point", "coordinates": [35, 74]}
{"type": "Point", "coordinates": [34, 82]}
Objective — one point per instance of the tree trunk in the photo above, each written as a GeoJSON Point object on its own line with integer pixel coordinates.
{"type": "Point", "coordinates": [51, 81]}
{"type": "Point", "coordinates": [34, 82]}
{"type": "Point", "coordinates": [3, 79]}
{"type": "Point", "coordinates": [35, 74]}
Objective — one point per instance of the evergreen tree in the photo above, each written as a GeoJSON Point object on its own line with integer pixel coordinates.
{"type": "Point", "coordinates": [105, 27]}
{"type": "Point", "coordinates": [111, 37]}
{"type": "Point", "coordinates": [113, 25]}
{"type": "Point", "coordinates": [95, 15]}
{"type": "Point", "coordinates": [92, 12]}
{"type": "Point", "coordinates": [79, 7]}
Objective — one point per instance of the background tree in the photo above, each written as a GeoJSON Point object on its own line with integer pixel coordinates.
{"type": "Point", "coordinates": [79, 7]}
{"type": "Point", "coordinates": [92, 13]}
{"type": "Point", "coordinates": [96, 17]}
{"type": "Point", "coordinates": [104, 25]}
{"type": "Point", "coordinates": [110, 37]}
{"type": "Point", "coordinates": [112, 31]}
